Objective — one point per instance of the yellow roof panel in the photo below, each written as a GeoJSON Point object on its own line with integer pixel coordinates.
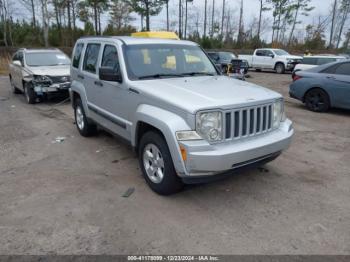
{"type": "Point", "coordinates": [159, 34]}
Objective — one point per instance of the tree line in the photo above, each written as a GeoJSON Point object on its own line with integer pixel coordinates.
{"type": "Point", "coordinates": [213, 23]}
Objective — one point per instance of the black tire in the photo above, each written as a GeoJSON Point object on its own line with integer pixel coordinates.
{"type": "Point", "coordinates": [317, 100]}
{"type": "Point", "coordinates": [15, 90]}
{"type": "Point", "coordinates": [29, 93]}
{"type": "Point", "coordinates": [84, 126]}
{"type": "Point", "coordinates": [170, 182]}
{"type": "Point", "coordinates": [280, 68]}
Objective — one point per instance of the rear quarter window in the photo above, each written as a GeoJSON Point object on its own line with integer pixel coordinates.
{"type": "Point", "coordinates": [77, 54]}
{"type": "Point", "coordinates": [343, 69]}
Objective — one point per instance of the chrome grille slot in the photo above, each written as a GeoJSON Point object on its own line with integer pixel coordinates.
{"type": "Point", "coordinates": [247, 122]}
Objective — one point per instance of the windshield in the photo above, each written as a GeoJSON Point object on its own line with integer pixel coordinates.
{"type": "Point", "coordinates": [46, 59]}
{"type": "Point", "coordinates": [227, 56]}
{"type": "Point", "coordinates": [280, 52]}
{"type": "Point", "coordinates": [166, 61]}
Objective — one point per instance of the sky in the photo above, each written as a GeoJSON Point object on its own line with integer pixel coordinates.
{"type": "Point", "coordinates": [251, 9]}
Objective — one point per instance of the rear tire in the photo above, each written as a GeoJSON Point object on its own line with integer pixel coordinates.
{"type": "Point", "coordinates": [29, 93]}
{"type": "Point", "coordinates": [15, 90]}
{"type": "Point", "coordinates": [317, 100]}
{"type": "Point", "coordinates": [157, 165]}
{"type": "Point", "coordinates": [280, 68]}
{"type": "Point", "coordinates": [84, 127]}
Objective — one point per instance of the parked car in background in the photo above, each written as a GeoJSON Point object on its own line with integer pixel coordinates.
{"type": "Point", "coordinates": [39, 73]}
{"type": "Point", "coordinates": [224, 59]}
{"type": "Point", "coordinates": [309, 62]}
{"type": "Point", "coordinates": [323, 87]}
{"type": "Point", "coordinates": [275, 59]}
{"type": "Point", "coordinates": [187, 122]}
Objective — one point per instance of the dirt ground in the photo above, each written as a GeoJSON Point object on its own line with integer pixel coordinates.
{"type": "Point", "coordinates": [66, 197]}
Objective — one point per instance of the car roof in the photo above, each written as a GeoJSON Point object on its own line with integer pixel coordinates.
{"type": "Point", "coordinates": [324, 56]}
{"type": "Point", "coordinates": [320, 68]}
{"type": "Point", "coordinates": [128, 40]}
{"type": "Point", "coordinates": [37, 50]}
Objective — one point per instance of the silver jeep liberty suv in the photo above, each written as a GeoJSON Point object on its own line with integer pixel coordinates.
{"type": "Point", "coordinates": [187, 122]}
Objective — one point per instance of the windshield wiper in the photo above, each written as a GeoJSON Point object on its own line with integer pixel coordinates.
{"type": "Point", "coordinates": [159, 76]}
{"type": "Point", "coordinates": [198, 73]}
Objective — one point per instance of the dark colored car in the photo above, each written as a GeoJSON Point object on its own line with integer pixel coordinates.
{"type": "Point", "coordinates": [224, 59]}
{"type": "Point", "coordinates": [323, 87]}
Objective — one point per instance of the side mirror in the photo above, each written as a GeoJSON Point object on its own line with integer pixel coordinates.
{"type": "Point", "coordinates": [17, 63]}
{"type": "Point", "coordinates": [110, 74]}
{"type": "Point", "coordinates": [272, 55]}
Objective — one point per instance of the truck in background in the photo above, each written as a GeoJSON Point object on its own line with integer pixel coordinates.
{"type": "Point", "coordinates": [273, 59]}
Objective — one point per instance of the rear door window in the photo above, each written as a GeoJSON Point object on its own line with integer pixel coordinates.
{"type": "Point", "coordinates": [91, 57]}
{"type": "Point", "coordinates": [322, 61]}
{"type": "Point", "coordinates": [77, 55]}
{"type": "Point", "coordinates": [260, 53]}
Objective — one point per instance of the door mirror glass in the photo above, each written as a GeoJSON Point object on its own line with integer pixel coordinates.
{"type": "Point", "coordinates": [110, 74]}
{"type": "Point", "coordinates": [17, 62]}
{"type": "Point", "coordinates": [272, 55]}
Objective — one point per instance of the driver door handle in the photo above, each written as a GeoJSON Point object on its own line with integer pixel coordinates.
{"type": "Point", "coordinates": [98, 83]}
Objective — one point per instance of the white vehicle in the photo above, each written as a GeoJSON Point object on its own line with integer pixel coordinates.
{"type": "Point", "coordinates": [275, 59]}
{"type": "Point", "coordinates": [313, 61]}
{"type": "Point", "coordinates": [39, 73]}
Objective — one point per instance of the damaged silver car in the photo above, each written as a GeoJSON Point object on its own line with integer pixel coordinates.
{"type": "Point", "coordinates": [39, 73]}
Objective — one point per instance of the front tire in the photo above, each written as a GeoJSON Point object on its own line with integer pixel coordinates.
{"type": "Point", "coordinates": [157, 165]}
{"type": "Point", "coordinates": [280, 68]}
{"type": "Point", "coordinates": [29, 93]}
{"type": "Point", "coordinates": [84, 127]}
{"type": "Point", "coordinates": [317, 100]}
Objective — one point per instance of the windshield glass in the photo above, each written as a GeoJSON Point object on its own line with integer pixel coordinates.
{"type": "Point", "coordinates": [46, 59]}
{"type": "Point", "coordinates": [280, 52]}
{"type": "Point", "coordinates": [165, 61]}
{"type": "Point", "coordinates": [227, 56]}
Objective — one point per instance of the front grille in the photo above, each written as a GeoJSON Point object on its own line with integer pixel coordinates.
{"type": "Point", "coordinates": [248, 121]}
{"type": "Point", "coordinates": [59, 79]}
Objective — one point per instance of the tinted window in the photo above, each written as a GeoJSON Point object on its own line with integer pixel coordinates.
{"type": "Point", "coordinates": [110, 57]}
{"type": "Point", "coordinates": [309, 61]}
{"type": "Point", "coordinates": [260, 53]}
{"type": "Point", "coordinates": [322, 61]}
{"type": "Point", "coordinates": [77, 54]}
{"type": "Point", "coordinates": [268, 53]}
{"type": "Point", "coordinates": [91, 56]}
{"type": "Point", "coordinates": [343, 69]}
{"type": "Point", "coordinates": [15, 57]}
{"type": "Point", "coordinates": [329, 70]}
{"type": "Point", "coordinates": [46, 59]}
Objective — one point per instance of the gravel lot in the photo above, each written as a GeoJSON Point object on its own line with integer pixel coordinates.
{"type": "Point", "coordinates": [66, 198]}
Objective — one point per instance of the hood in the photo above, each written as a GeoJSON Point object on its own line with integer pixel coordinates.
{"type": "Point", "coordinates": [60, 70]}
{"type": "Point", "coordinates": [292, 57]}
{"type": "Point", "coordinates": [207, 92]}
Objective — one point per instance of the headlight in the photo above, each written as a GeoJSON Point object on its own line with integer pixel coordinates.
{"type": "Point", "coordinates": [41, 78]}
{"type": "Point", "coordinates": [209, 125]}
{"type": "Point", "coordinates": [278, 113]}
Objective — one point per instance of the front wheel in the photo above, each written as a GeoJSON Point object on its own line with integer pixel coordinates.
{"type": "Point", "coordinates": [157, 165]}
{"type": "Point", "coordinates": [29, 93]}
{"type": "Point", "coordinates": [317, 100]}
{"type": "Point", "coordinates": [280, 68]}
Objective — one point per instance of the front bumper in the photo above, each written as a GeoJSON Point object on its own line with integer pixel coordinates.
{"type": "Point", "coordinates": [41, 89]}
{"type": "Point", "coordinates": [204, 159]}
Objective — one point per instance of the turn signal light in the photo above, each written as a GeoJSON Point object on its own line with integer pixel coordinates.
{"type": "Point", "coordinates": [183, 153]}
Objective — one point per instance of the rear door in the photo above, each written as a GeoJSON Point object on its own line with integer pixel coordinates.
{"type": "Point", "coordinates": [258, 58]}
{"type": "Point", "coordinates": [114, 99]}
{"type": "Point", "coordinates": [341, 81]}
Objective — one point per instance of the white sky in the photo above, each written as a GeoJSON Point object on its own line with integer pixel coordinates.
{"type": "Point", "coordinates": [251, 9]}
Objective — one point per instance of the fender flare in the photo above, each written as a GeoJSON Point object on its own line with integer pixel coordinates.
{"type": "Point", "coordinates": [168, 123]}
